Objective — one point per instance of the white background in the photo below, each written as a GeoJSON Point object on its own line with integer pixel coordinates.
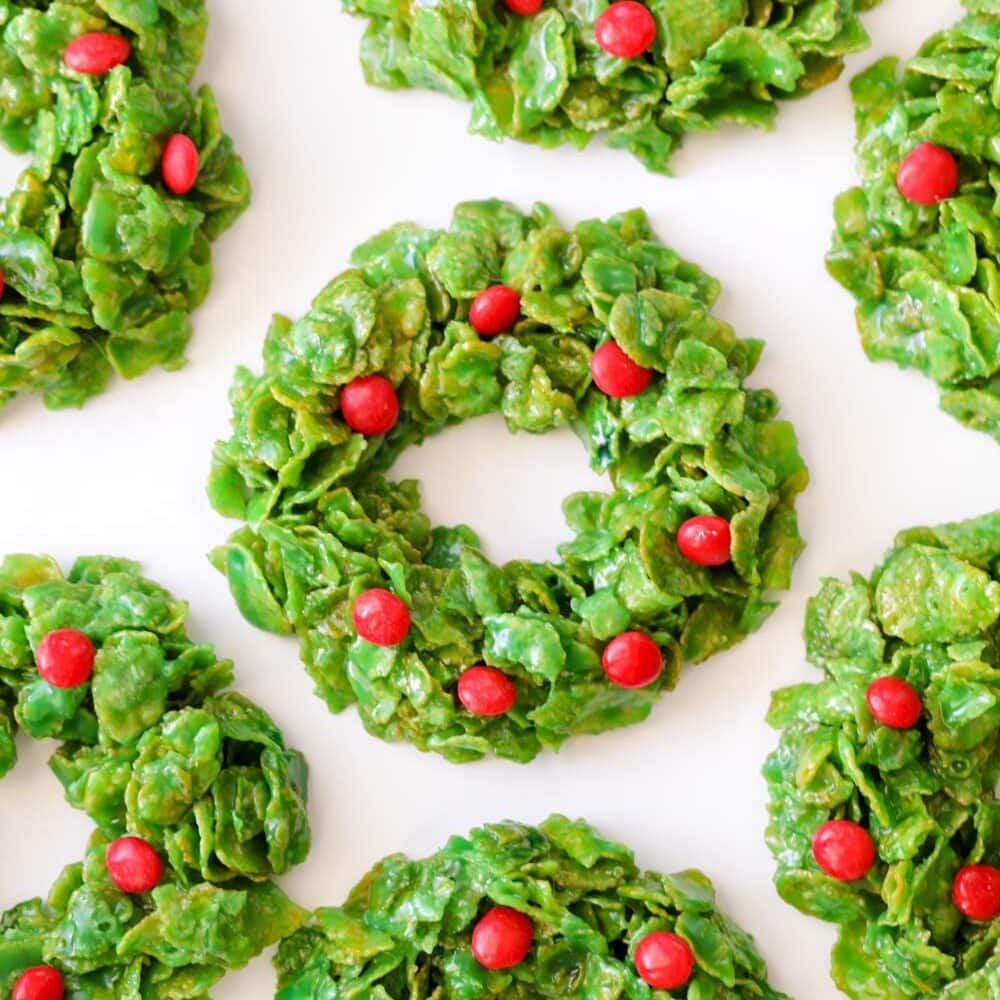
{"type": "Point", "coordinates": [334, 161]}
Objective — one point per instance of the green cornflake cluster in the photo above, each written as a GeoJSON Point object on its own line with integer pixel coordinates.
{"type": "Point", "coordinates": [324, 524]}
{"type": "Point", "coordinates": [152, 746]}
{"type": "Point", "coordinates": [926, 277]}
{"type": "Point", "coordinates": [102, 265]}
{"type": "Point", "coordinates": [543, 78]}
{"type": "Point", "coordinates": [404, 932]}
{"type": "Point", "coordinates": [930, 614]}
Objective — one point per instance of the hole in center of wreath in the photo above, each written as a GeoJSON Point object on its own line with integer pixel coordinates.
{"type": "Point", "coordinates": [509, 488]}
{"type": "Point", "coordinates": [40, 833]}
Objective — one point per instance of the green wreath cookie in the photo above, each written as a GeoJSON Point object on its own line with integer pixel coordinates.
{"type": "Point", "coordinates": [515, 911]}
{"type": "Point", "coordinates": [554, 72]}
{"type": "Point", "coordinates": [884, 815]}
{"type": "Point", "coordinates": [105, 239]}
{"type": "Point", "coordinates": [602, 328]}
{"type": "Point", "coordinates": [196, 799]}
{"type": "Point", "coordinates": [918, 243]}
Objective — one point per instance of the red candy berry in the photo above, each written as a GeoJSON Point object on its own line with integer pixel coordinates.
{"type": "Point", "coordinates": [39, 982]}
{"type": "Point", "coordinates": [495, 310]}
{"type": "Point", "coordinates": [96, 52]}
{"type": "Point", "coordinates": [179, 164]}
{"type": "Point", "coordinates": [625, 29]}
{"type": "Point", "coordinates": [502, 938]}
{"type": "Point", "coordinates": [486, 691]}
{"type": "Point", "coordinates": [616, 374]}
{"type": "Point", "coordinates": [843, 849]}
{"type": "Point", "coordinates": [894, 702]}
{"type": "Point", "coordinates": [525, 7]}
{"type": "Point", "coordinates": [381, 617]}
{"type": "Point", "coordinates": [928, 175]}
{"type": "Point", "coordinates": [65, 658]}
{"type": "Point", "coordinates": [976, 891]}
{"type": "Point", "coordinates": [133, 864]}
{"type": "Point", "coordinates": [369, 405]}
{"type": "Point", "coordinates": [664, 960]}
{"type": "Point", "coordinates": [705, 540]}
{"type": "Point", "coordinates": [632, 660]}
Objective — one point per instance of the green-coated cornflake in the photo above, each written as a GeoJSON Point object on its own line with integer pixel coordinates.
{"type": "Point", "coordinates": [324, 524]}
{"type": "Point", "coordinates": [151, 746]}
{"type": "Point", "coordinates": [404, 932]}
{"type": "Point", "coordinates": [929, 614]}
{"type": "Point", "coordinates": [926, 277]}
{"type": "Point", "coordinates": [102, 264]}
{"type": "Point", "coordinates": [544, 78]}
{"type": "Point", "coordinates": [175, 941]}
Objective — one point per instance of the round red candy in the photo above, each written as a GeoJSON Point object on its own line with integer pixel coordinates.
{"type": "Point", "coordinates": [664, 960]}
{"type": "Point", "coordinates": [894, 702]}
{"type": "Point", "coordinates": [65, 658]}
{"type": "Point", "coordinates": [625, 29]}
{"type": "Point", "coordinates": [39, 982]}
{"type": "Point", "coordinates": [133, 864]}
{"type": "Point", "coordinates": [179, 164]}
{"type": "Point", "coordinates": [96, 52]}
{"type": "Point", "coordinates": [381, 617]}
{"type": "Point", "coordinates": [495, 310]}
{"type": "Point", "coordinates": [525, 7]}
{"type": "Point", "coordinates": [632, 660]}
{"type": "Point", "coordinates": [844, 850]}
{"type": "Point", "coordinates": [502, 938]}
{"type": "Point", "coordinates": [928, 175]}
{"type": "Point", "coordinates": [369, 405]}
{"type": "Point", "coordinates": [705, 540]}
{"type": "Point", "coordinates": [976, 891]}
{"type": "Point", "coordinates": [486, 691]}
{"type": "Point", "coordinates": [616, 374]}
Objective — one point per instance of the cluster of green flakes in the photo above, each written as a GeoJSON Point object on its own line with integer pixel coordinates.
{"type": "Point", "coordinates": [404, 932]}
{"type": "Point", "coordinates": [930, 614]}
{"type": "Point", "coordinates": [543, 78]}
{"type": "Point", "coordinates": [102, 264]}
{"type": "Point", "coordinates": [927, 277]}
{"type": "Point", "coordinates": [153, 746]}
{"type": "Point", "coordinates": [324, 524]}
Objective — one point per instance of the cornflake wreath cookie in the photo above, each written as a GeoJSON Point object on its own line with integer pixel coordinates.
{"type": "Point", "coordinates": [197, 801]}
{"type": "Point", "coordinates": [515, 911]}
{"type": "Point", "coordinates": [555, 72]}
{"type": "Point", "coordinates": [884, 814]}
{"type": "Point", "coordinates": [105, 239]}
{"type": "Point", "coordinates": [917, 243]}
{"type": "Point", "coordinates": [602, 328]}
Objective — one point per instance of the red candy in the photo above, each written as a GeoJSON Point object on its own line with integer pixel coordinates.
{"type": "Point", "coordinates": [65, 658]}
{"type": "Point", "coordinates": [976, 891]}
{"type": "Point", "coordinates": [928, 175]}
{"type": "Point", "coordinates": [632, 660]}
{"type": "Point", "coordinates": [39, 982]}
{"type": "Point", "coordinates": [179, 164]}
{"type": "Point", "coordinates": [843, 849]}
{"type": "Point", "coordinates": [495, 310]}
{"type": "Point", "coordinates": [705, 540]}
{"type": "Point", "coordinates": [502, 938]}
{"type": "Point", "coordinates": [133, 864]}
{"type": "Point", "coordinates": [381, 617]}
{"type": "Point", "coordinates": [625, 29]}
{"type": "Point", "coordinates": [616, 374]}
{"type": "Point", "coordinates": [664, 960]}
{"type": "Point", "coordinates": [894, 702]}
{"type": "Point", "coordinates": [525, 7]}
{"type": "Point", "coordinates": [369, 405]}
{"type": "Point", "coordinates": [96, 52]}
{"type": "Point", "coordinates": [486, 691]}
